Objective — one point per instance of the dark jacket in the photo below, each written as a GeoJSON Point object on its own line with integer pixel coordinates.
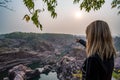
{"type": "Point", "coordinates": [94, 68]}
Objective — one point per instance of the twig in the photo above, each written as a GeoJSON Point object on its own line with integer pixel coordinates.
{"type": "Point", "coordinates": [4, 6]}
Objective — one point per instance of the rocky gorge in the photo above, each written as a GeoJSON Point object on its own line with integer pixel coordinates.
{"type": "Point", "coordinates": [53, 52]}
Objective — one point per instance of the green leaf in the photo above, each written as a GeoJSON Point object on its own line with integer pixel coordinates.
{"type": "Point", "coordinates": [26, 17]}
{"type": "Point", "coordinates": [91, 4]}
{"type": "Point", "coordinates": [41, 27]}
{"type": "Point", "coordinates": [76, 1]}
{"type": "Point", "coordinates": [29, 4]}
{"type": "Point", "coordinates": [35, 20]}
{"type": "Point", "coordinates": [116, 4]}
{"type": "Point", "coordinates": [53, 14]}
{"type": "Point", "coordinates": [113, 6]}
{"type": "Point", "coordinates": [118, 12]}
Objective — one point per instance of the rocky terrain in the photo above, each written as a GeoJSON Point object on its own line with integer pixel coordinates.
{"type": "Point", "coordinates": [59, 51]}
{"type": "Point", "coordinates": [27, 47]}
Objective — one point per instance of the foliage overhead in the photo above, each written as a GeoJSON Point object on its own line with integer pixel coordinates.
{"type": "Point", "coordinates": [116, 4]}
{"type": "Point", "coordinates": [51, 5]}
{"type": "Point", "coordinates": [90, 4]}
{"type": "Point", "coordinates": [87, 5]}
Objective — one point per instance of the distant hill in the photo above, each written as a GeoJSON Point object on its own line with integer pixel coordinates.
{"type": "Point", "coordinates": [42, 41]}
{"type": "Point", "coordinates": [36, 41]}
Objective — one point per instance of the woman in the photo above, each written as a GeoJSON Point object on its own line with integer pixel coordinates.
{"type": "Point", "coordinates": [100, 52]}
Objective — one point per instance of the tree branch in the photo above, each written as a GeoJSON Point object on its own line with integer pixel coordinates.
{"type": "Point", "coordinates": [4, 6]}
{"type": "Point", "coordinates": [7, 1]}
{"type": "Point", "coordinates": [2, 2]}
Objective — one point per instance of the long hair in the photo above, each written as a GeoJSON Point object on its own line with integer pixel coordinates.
{"type": "Point", "coordinates": [99, 40]}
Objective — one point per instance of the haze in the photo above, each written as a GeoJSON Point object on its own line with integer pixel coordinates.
{"type": "Point", "coordinates": [70, 19]}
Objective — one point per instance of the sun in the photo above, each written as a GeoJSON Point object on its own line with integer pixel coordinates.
{"type": "Point", "coordinates": [78, 14]}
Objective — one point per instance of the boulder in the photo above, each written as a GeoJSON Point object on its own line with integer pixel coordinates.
{"type": "Point", "coordinates": [69, 68]}
{"type": "Point", "coordinates": [32, 74]}
{"type": "Point", "coordinates": [21, 72]}
{"type": "Point", "coordinates": [6, 78]}
{"type": "Point", "coordinates": [46, 69]}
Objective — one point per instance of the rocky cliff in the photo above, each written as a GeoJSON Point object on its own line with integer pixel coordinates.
{"type": "Point", "coordinates": [57, 50]}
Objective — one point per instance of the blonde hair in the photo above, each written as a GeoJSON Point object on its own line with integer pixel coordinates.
{"type": "Point", "coordinates": [99, 40]}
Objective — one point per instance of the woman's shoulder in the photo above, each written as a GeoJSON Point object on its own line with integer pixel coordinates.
{"type": "Point", "coordinates": [94, 57]}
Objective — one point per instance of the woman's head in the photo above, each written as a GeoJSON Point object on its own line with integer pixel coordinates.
{"type": "Point", "coordinates": [99, 39]}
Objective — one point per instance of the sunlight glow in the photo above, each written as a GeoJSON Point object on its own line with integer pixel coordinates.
{"type": "Point", "coordinates": [78, 15]}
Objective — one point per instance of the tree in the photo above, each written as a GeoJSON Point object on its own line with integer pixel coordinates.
{"type": "Point", "coordinates": [3, 3]}
{"type": "Point", "coordinates": [51, 5]}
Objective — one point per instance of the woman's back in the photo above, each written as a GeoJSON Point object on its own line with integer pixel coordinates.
{"type": "Point", "coordinates": [96, 69]}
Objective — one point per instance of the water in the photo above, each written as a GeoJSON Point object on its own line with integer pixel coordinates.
{"type": "Point", "coordinates": [50, 76]}
{"type": "Point", "coordinates": [3, 74]}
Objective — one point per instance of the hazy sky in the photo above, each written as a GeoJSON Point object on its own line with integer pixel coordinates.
{"type": "Point", "coordinates": [70, 19]}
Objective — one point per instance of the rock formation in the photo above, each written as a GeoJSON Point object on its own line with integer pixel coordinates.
{"type": "Point", "coordinates": [21, 72]}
